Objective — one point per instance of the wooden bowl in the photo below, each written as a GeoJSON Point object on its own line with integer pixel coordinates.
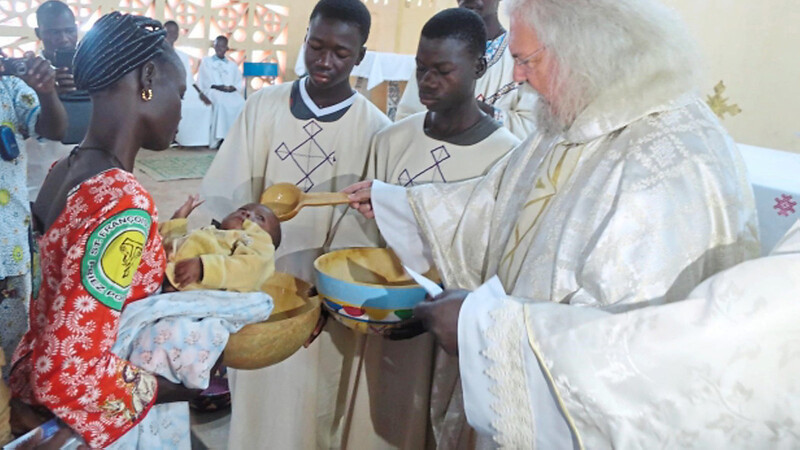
{"type": "Point", "coordinates": [367, 289]}
{"type": "Point", "coordinates": [293, 318]}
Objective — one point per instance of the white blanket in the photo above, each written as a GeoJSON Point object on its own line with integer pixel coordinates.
{"type": "Point", "coordinates": [180, 336]}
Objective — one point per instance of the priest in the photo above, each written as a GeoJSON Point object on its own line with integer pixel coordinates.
{"type": "Point", "coordinates": [631, 195]}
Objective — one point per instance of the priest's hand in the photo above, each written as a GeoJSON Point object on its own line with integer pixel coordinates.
{"type": "Point", "coordinates": [438, 315]}
{"type": "Point", "coordinates": [360, 195]}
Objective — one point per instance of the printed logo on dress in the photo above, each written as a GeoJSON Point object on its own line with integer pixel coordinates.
{"type": "Point", "coordinates": [113, 252]}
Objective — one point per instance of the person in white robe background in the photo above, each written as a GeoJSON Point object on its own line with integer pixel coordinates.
{"type": "Point", "coordinates": [511, 104]}
{"type": "Point", "coordinates": [314, 133]}
{"type": "Point", "coordinates": [193, 130]}
{"type": "Point", "coordinates": [631, 195]}
{"type": "Point", "coordinates": [221, 82]}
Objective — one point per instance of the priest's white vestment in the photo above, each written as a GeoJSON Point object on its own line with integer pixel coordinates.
{"type": "Point", "coordinates": [716, 370]}
{"type": "Point", "coordinates": [635, 204]}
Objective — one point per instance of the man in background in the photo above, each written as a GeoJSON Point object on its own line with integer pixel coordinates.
{"type": "Point", "coordinates": [58, 32]}
{"type": "Point", "coordinates": [220, 80]}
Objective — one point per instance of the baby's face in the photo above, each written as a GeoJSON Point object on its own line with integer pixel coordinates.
{"type": "Point", "coordinates": [259, 215]}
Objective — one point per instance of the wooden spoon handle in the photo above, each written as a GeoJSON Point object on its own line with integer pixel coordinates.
{"type": "Point", "coordinates": [325, 198]}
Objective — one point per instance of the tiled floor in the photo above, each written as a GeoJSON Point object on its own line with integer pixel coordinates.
{"type": "Point", "coordinates": [209, 430]}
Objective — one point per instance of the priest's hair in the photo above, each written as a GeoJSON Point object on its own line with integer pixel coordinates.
{"type": "Point", "coordinates": [116, 45]}
{"type": "Point", "coordinates": [460, 24]}
{"type": "Point", "coordinates": [350, 11]}
{"type": "Point", "coordinates": [639, 48]}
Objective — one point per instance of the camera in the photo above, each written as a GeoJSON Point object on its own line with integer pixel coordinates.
{"type": "Point", "coordinates": [63, 57]}
{"type": "Point", "coordinates": [13, 66]}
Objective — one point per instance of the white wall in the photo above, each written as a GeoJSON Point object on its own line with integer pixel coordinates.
{"type": "Point", "coordinates": [754, 47]}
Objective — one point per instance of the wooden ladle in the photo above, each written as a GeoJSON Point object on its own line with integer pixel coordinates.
{"type": "Point", "coordinates": [286, 199]}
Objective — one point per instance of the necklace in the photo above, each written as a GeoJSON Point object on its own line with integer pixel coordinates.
{"type": "Point", "coordinates": [114, 160]}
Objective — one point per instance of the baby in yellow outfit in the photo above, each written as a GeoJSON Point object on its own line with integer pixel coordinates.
{"type": "Point", "coordinates": [239, 255]}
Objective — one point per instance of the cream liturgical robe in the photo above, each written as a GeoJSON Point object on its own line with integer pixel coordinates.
{"type": "Point", "coordinates": [634, 205]}
{"type": "Point", "coordinates": [403, 154]}
{"type": "Point", "coordinates": [393, 394]}
{"type": "Point", "coordinates": [226, 106]}
{"type": "Point", "coordinates": [516, 106]}
{"type": "Point", "coordinates": [716, 370]}
{"type": "Point", "coordinates": [281, 136]}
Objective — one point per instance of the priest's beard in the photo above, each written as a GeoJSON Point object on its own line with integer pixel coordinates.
{"type": "Point", "coordinates": [548, 122]}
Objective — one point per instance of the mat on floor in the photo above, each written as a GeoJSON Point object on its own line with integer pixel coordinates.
{"type": "Point", "coordinates": [175, 167]}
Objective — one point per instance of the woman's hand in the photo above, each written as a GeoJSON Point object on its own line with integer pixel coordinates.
{"type": "Point", "coordinates": [56, 441]}
{"type": "Point", "coordinates": [169, 392]}
{"type": "Point", "coordinates": [438, 315]}
{"type": "Point", "coordinates": [323, 319]}
{"type": "Point", "coordinates": [361, 197]}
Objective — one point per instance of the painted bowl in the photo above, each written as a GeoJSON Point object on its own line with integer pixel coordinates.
{"type": "Point", "coordinates": [293, 318]}
{"type": "Point", "coordinates": [366, 289]}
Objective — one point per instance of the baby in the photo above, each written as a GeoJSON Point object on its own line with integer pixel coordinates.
{"type": "Point", "coordinates": [238, 255]}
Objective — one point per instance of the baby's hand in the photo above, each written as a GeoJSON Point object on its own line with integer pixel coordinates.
{"type": "Point", "coordinates": [188, 271]}
{"type": "Point", "coordinates": [191, 203]}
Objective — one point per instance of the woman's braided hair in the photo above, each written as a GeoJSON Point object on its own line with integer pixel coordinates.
{"type": "Point", "coordinates": [116, 45]}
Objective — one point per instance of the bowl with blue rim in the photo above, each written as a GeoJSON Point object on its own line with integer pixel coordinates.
{"type": "Point", "coordinates": [367, 289]}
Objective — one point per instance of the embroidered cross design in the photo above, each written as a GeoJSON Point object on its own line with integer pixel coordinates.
{"type": "Point", "coordinates": [308, 155]}
{"type": "Point", "coordinates": [439, 155]}
{"type": "Point", "coordinates": [785, 205]}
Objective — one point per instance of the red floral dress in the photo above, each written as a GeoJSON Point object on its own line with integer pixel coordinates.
{"type": "Point", "coordinates": [102, 252]}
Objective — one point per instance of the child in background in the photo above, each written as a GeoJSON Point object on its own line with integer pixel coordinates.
{"type": "Point", "coordinates": [237, 255]}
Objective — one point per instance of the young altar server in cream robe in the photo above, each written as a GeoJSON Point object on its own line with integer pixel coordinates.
{"type": "Point", "coordinates": [500, 96]}
{"type": "Point", "coordinates": [220, 81]}
{"type": "Point", "coordinates": [633, 204]}
{"type": "Point", "coordinates": [454, 140]}
{"type": "Point", "coordinates": [314, 133]}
